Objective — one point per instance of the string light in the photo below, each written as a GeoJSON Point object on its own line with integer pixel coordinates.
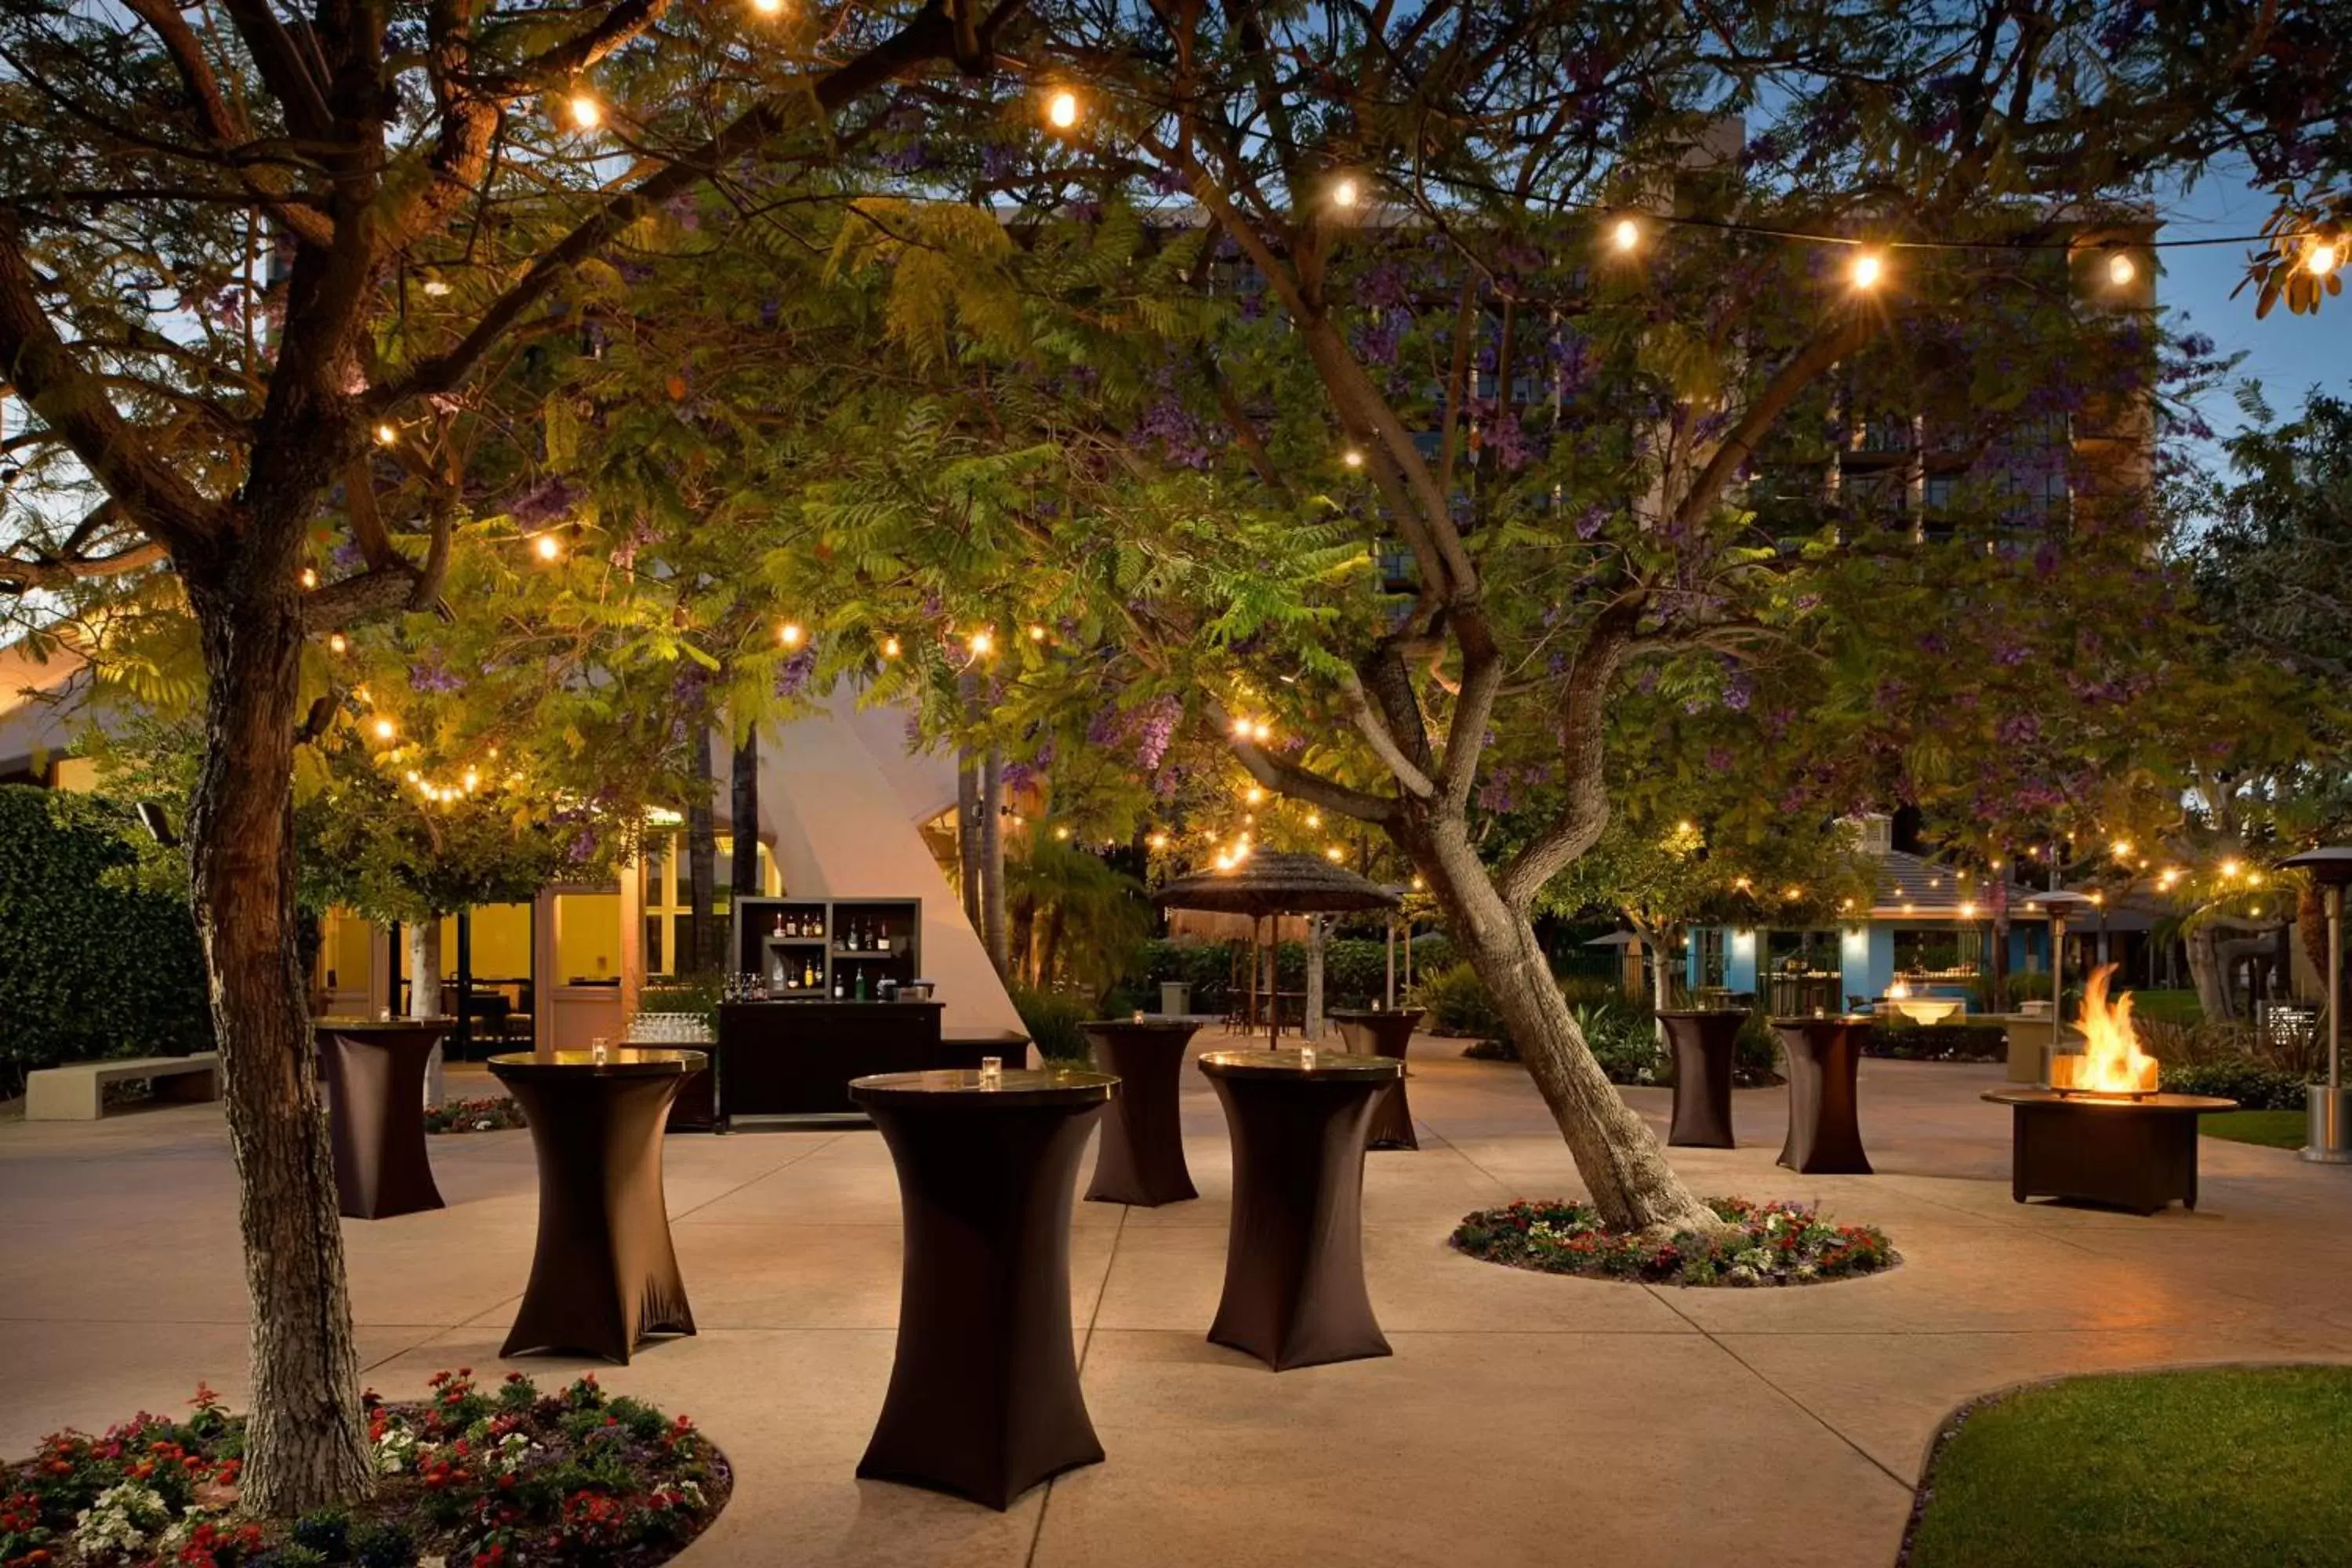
{"type": "Point", "coordinates": [1261, 731]}
{"type": "Point", "coordinates": [414, 777]}
{"type": "Point", "coordinates": [1352, 458]}
{"type": "Point", "coordinates": [2121, 269]}
{"type": "Point", "coordinates": [1158, 841]}
{"type": "Point", "coordinates": [387, 435]}
{"type": "Point", "coordinates": [1625, 235]}
{"type": "Point", "coordinates": [2122, 847]}
{"type": "Point", "coordinates": [308, 577]}
{"type": "Point", "coordinates": [1335, 853]}
{"type": "Point", "coordinates": [385, 729]}
{"type": "Point", "coordinates": [1036, 633]}
{"type": "Point", "coordinates": [1968, 911]}
{"type": "Point", "coordinates": [1314, 819]}
{"type": "Point", "coordinates": [1793, 893]}
{"type": "Point", "coordinates": [1869, 267]}
{"type": "Point", "coordinates": [1062, 109]}
{"type": "Point", "coordinates": [984, 643]}
{"type": "Point", "coordinates": [1345, 192]}
{"type": "Point", "coordinates": [337, 642]}
{"type": "Point", "coordinates": [2228, 868]}
{"type": "Point", "coordinates": [1416, 884]}
{"type": "Point", "coordinates": [769, 7]}
{"type": "Point", "coordinates": [791, 634]}
{"type": "Point", "coordinates": [436, 287]}
{"type": "Point", "coordinates": [1241, 729]}
{"type": "Point", "coordinates": [472, 778]}
{"type": "Point", "coordinates": [1255, 795]}
{"type": "Point", "coordinates": [1063, 832]}
{"type": "Point", "coordinates": [586, 113]}
{"type": "Point", "coordinates": [890, 647]}
{"type": "Point", "coordinates": [546, 546]}
{"type": "Point", "coordinates": [2320, 260]}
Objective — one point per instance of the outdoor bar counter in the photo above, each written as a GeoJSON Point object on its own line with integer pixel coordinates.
{"type": "Point", "coordinates": [796, 1058]}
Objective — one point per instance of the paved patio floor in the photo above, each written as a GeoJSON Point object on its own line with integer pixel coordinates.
{"type": "Point", "coordinates": [1523, 1419]}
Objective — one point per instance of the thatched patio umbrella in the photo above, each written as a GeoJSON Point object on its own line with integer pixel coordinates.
{"type": "Point", "coordinates": [1275, 884]}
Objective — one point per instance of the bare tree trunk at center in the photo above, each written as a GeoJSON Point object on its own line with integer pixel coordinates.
{"type": "Point", "coordinates": [425, 994]}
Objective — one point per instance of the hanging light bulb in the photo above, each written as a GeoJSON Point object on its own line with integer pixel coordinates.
{"type": "Point", "coordinates": [337, 642]}
{"type": "Point", "coordinates": [791, 634]}
{"type": "Point", "coordinates": [2121, 269]}
{"type": "Point", "coordinates": [1868, 269]}
{"type": "Point", "coordinates": [1345, 192]}
{"type": "Point", "coordinates": [385, 729]}
{"type": "Point", "coordinates": [769, 7]}
{"type": "Point", "coordinates": [1625, 235]}
{"type": "Point", "coordinates": [983, 643]}
{"type": "Point", "coordinates": [586, 112]}
{"type": "Point", "coordinates": [1261, 731]}
{"type": "Point", "coordinates": [1036, 632]}
{"type": "Point", "coordinates": [2320, 260]}
{"type": "Point", "coordinates": [387, 433]}
{"type": "Point", "coordinates": [1062, 109]}
{"type": "Point", "coordinates": [890, 647]}
{"type": "Point", "coordinates": [308, 577]}
{"type": "Point", "coordinates": [1352, 458]}
{"type": "Point", "coordinates": [1335, 853]}
{"type": "Point", "coordinates": [546, 546]}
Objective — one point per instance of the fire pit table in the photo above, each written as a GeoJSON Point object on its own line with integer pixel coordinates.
{"type": "Point", "coordinates": [1295, 1290]}
{"type": "Point", "coordinates": [1140, 1160]}
{"type": "Point", "coordinates": [2132, 1152]}
{"type": "Point", "coordinates": [1824, 1130]}
{"type": "Point", "coordinates": [374, 1070]}
{"type": "Point", "coordinates": [1703, 1043]}
{"type": "Point", "coordinates": [985, 1400]}
{"type": "Point", "coordinates": [1383, 1032]}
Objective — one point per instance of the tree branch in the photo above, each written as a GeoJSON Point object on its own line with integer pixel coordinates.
{"type": "Point", "coordinates": [1582, 758]}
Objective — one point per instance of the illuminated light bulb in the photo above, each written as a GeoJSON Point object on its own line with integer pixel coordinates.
{"type": "Point", "coordinates": [2122, 847]}
{"type": "Point", "coordinates": [1060, 833]}
{"type": "Point", "coordinates": [1036, 633]}
{"type": "Point", "coordinates": [1345, 193]}
{"type": "Point", "coordinates": [494, 754]}
{"type": "Point", "coordinates": [1793, 893]}
{"type": "Point", "coordinates": [546, 546]}
{"type": "Point", "coordinates": [1261, 731]}
{"type": "Point", "coordinates": [2253, 879]}
{"type": "Point", "coordinates": [308, 577]}
{"type": "Point", "coordinates": [1062, 109]}
{"type": "Point", "coordinates": [1968, 911]}
{"type": "Point", "coordinates": [472, 779]}
{"type": "Point", "coordinates": [1255, 795]}
{"type": "Point", "coordinates": [889, 647]}
{"type": "Point", "coordinates": [2228, 867]}
{"type": "Point", "coordinates": [1740, 883]}
{"type": "Point", "coordinates": [1248, 817]}
{"type": "Point", "coordinates": [2256, 911]}
{"type": "Point", "coordinates": [436, 287]}
{"type": "Point", "coordinates": [769, 7]}
{"type": "Point", "coordinates": [983, 643]}
{"type": "Point", "coordinates": [385, 729]}
{"type": "Point", "coordinates": [1158, 841]}
{"type": "Point", "coordinates": [1314, 819]}
{"type": "Point", "coordinates": [414, 776]}
{"type": "Point", "coordinates": [386, 435]}
{"type": "Point", "coordinates": [1352, 458]}
{"type": "Point", "coordinates": [586, 113]}
{"type": "Point", "coordinates": [2121, 269]}
{"type": "Point", "coordinates": [1335, 853]}
{"type": "Point", "coordinates": [1995, 865]}
{"type": "Point", "coordinates": [1626, 233]}
{"type": "Point", "coordinates": [337, 642]}
{"type": "Point", "coordinates": [1869, 268]}
{"type": "Point", "coordinates": [1416, 884]}
{"type": "Point", "coordinates": [1241, 729]}
{"type": "Point", "coordinates": [1845, 903]}
{"type": "Point", "coordinates": [1685, 826]}
{"type": "Point", "coordinates": [791, 634]}
{"type": "Point", "coordinates": [2321, 258]}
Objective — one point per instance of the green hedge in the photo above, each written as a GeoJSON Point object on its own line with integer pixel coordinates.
{"type": "Point", "coordinates": [94, 967]}
{"type": "Point", "coordinates": [1052, 1018]}
{"type": "Point", "coordinates": [2253, 1086]}
{"type": "Point", "coordinates": [1937, 1042]}
{"type": "Point", "coordinates": [1355, 970]}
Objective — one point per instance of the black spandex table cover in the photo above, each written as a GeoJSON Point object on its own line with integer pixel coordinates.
{"type": "Point", "coordinates": [1295, 1290]}
{"type": "Point", "coordinates": [985, 1400]}
{"type": "Point", "coordinates": [1140, 1160]}
{"type": "Point", "coordinates": [1703, 1043]}
{"type": "Point", "coordinates": [604, 1275]}
{"type": "Point", "coordinates": [374, 1070]}
{"type": "Point", "coordinates": [1824, 1130]}
{"type": "Point", "coordinates": [1383, 1032]}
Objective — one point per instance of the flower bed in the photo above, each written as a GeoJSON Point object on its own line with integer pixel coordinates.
{"type": "Point", "coordinates": [1780, 1244]}
{"type": "Point", "coordinates": [487, 1114]}
{"type": "Point", "coordinates": [470, 1479]}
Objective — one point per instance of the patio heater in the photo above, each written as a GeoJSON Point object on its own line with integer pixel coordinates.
{"type": "Point", "coordinates": [2056, 902]}
{"type": "Point", "coordinates": [2329, 1139]}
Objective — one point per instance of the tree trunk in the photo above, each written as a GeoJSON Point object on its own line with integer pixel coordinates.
{"type": "Point", "coordinates": [968, 835]}
{"type": "Point", "coordinates": [1997, 963]}
{"type": "Point", "coordinates": [696, 950]}
{"type": "Point", "coordinates": [424, 992]}
{"type": "Point", "coordinates": [1021, 943]}
{"type": "Point", "coordinates": [1623, 1166]}
{"type": "Point", "coordinates": [992, 861]}
{"type": "Point", "coordinates": [2208, 975]}
{"type": "Point", "coordinates": [1049, 946]}
{"type": "Point", "coordinates": [306, 1444]}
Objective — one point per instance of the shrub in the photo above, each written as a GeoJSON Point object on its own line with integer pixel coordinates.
{"type": "Point", "coordinates": [2253, 1086]}
{"type": "Point", "coordinates": [1458, 1003]}
{"type": "Point", "coordinates": [1052, 1018]}
{"type": "Point", "coordinates": [1756, 1057]}
{"type": "Point", "coordinates": [1937, 1042]}
{"type": "Point", "coordinates": [1777, 1244]}
{"type": "Point", "coordinates": [1624, 1042]}
{"type": "Point", "coordinates": [96, 966]}
{"type": "Point", "coordinates": [1355, 970]}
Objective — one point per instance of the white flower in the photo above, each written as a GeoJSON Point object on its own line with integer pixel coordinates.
{"type": "Point", "coordinates": [396, 1450]}
{"type": "Point", "coordinates": [120, 1520]}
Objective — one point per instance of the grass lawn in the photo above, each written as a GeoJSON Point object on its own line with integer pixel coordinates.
{"type": "Point", "coordinates": [2274, 1128]}
{"type": "Point", "coordinates": [2168, 1006]}
{"type": "Point", "coordinates": [2214, 1468]}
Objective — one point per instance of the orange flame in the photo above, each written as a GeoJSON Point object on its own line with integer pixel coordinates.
{"type": "Point", "coordinates": [2111, 1062]}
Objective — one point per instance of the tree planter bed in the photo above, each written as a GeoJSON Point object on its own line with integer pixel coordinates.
{"type": "Point", "coordinates": [1780, 1243]}
{"type": "Point", "coordinates": [468, 1477]}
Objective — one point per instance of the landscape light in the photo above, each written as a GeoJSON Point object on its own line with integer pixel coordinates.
{"type": "Point", "coordinates": [586, 113]}
{"type": "Point", "coordinates": [1062, 109]}
{"type": "Point", "coordinates": [1625, 235]}
{"type": "Point", "coordinates": [1868, 269]}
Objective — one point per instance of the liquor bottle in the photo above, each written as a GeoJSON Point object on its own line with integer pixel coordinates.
{"type": "Point", "coordinates": [816, 923]}
{"type": "Point", "coordinates": [861, 986]}
{"type": "Point", "coordinates": [839, 988]}
{"type": "Point", "coordinates": [814, 981]}
{"type": "Point", "coordinates": [849, 938]}
{"type": "Point", "coordinates": [780, 922]}
{"type": "Point", "coordinates": [882, 939]}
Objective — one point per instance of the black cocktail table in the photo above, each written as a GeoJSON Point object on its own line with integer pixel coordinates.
{"type": "Point", "coordinates": [1702, 1042]}
{"type": "Point", "coordinates": [374, 1070]}
{"type": "Point", "coordinates": [984, 1399]}
{"type": "Point", "coordinates": [1383, 1032]}
{"type": "Point", "coordinates": [604, 1275]}
{"type": "Point", "coordinates": [1295, 1253]}
{"type": "Point", "coordinates": [1140, 1160]}
{"type": "Point", "coordinates": [1824, 1133]}
{"type": "Point", "coordinates": [2137, 1155]}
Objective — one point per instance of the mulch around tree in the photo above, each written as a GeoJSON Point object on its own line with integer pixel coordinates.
{"type": "Point", "coordinates": [1777, 1244]}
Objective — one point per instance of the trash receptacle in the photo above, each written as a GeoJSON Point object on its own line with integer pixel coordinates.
{"type": "Point", "coordinates": [1175, 998]}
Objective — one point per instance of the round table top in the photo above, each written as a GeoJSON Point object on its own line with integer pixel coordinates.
{"type": "Point", "coordinates": [1828, 1020]}
{"type": "Point", "coordinates": [354, 1024]}
{"type": "Point", "coordinates": [1149, 1021]}
{"type": "Point", "coordinates": [1721, 1013]}
{"type": "Point", "coordinates": [2175, 1104]}
{"type": "Point", "coordinates": [1373, 1015]}
{"type": "Point", "coordinates": [1289, 1063]}
{"type": "Point", "coordinates": [959, 1088]}
{"type": "Point", "coordinates": [621, 1061]}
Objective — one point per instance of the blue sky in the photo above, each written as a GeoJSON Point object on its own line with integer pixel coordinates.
{"type": "Point", "coordinates": [2288, 354]}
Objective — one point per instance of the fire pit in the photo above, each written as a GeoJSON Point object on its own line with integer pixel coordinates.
{"type": "Point", "coordinates": [2102, 1131]}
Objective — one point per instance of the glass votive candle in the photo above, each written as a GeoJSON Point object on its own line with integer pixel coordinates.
{"type": "Point", "coordinates": [992, 1072]}
{"type": "Point", "coordinates": [1306, 1058]}
{"type": "Point", "coordinates": [1139, 1015]}
{"type": "Point", "coordinates": [383, 1014]}
{"type": "Point", "coordinates": [1821, 1012]}
{"type": "Point", "coordinates": [600, 1050]}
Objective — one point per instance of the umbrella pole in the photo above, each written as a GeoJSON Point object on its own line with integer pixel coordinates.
{"type": "Point", "coordinates": [1250, 1024]}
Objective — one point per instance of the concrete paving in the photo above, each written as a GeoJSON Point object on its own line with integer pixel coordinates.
{"type": "Point", "coordinates": [1523, 1419]}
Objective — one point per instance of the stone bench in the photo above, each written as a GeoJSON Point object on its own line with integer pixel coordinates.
{"type": "Point", "coordinates": [77, 1092]}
